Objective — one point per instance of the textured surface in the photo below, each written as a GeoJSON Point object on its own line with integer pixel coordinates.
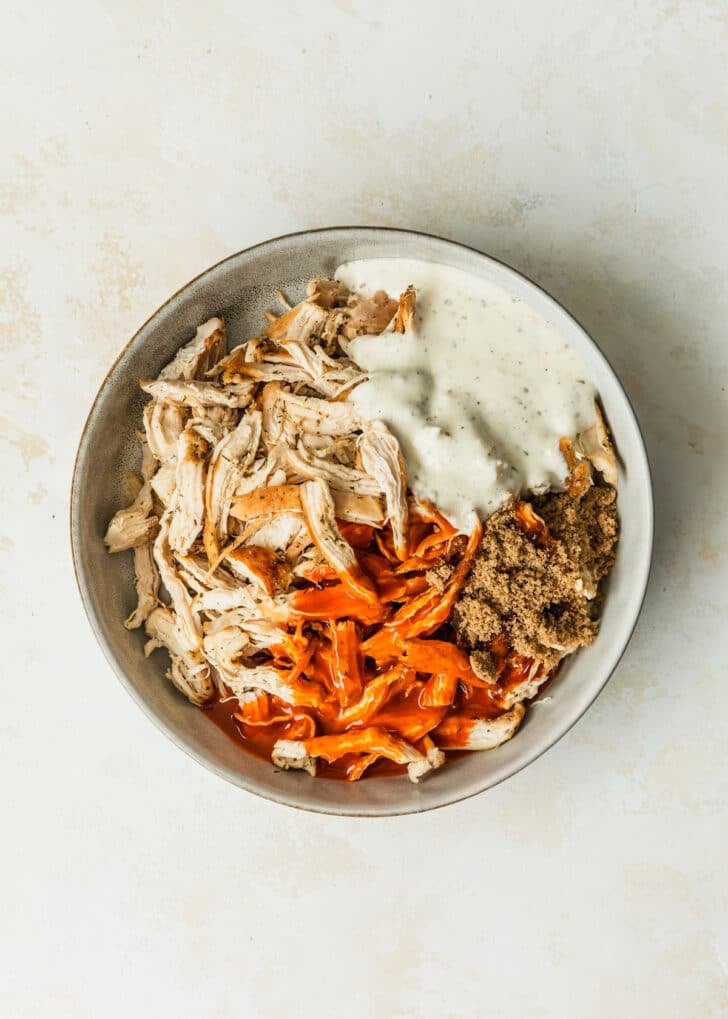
{"type": "Point", "coordinates": [584, 144]}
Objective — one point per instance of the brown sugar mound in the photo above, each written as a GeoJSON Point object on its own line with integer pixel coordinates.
{"type": "Point", "coordinates": [540, 589]}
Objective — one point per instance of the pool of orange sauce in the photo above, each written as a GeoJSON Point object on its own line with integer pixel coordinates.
{"type": "Point", "coordinates": [222, 713]}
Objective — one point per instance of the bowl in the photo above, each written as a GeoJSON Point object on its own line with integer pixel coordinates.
{"type": "Point", "coordinates": [240, 288]}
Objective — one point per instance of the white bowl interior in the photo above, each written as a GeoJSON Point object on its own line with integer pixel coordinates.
{"type": "Point", "coordinates": [240, 289]}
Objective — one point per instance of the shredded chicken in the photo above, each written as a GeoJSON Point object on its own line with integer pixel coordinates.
{"type": "Point", "coordinates": [466, 733]}
{"type": "Point", "coordinates": [147, 585]}
{"type": "Point", "coordinates": [382, 459]}
{"type": "Point", "coordinates": [163, 424]}
{"type": "Point", "coordinates": [203, 351]}
{"type": "Point", "coordinates": [229, 465]}
{"type": "Point", "coordinates": [188, 670]}
{"type": "Point", "coordinates": [594, 444]}
{"type": "Point", "coordinates": [320, 516]}
{"type": "Point", "coordinates": [137, 524]}
{"type": "Point", "coordinates": [199, 395]}
{"type": "Point", "coordinates": [188, 507]}
{"type": "Point", "coordinates": [404, 320]}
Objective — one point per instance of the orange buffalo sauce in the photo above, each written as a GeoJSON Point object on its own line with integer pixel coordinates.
{"type": "Point", "coordinates": [259, 742]}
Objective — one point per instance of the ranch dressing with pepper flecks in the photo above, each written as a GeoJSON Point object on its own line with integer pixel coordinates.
{"type": "Point", "coordinates": [478, 395]}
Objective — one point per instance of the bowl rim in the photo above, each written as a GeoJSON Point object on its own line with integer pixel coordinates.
{"type": "Point", "coordinates": [180, 741]}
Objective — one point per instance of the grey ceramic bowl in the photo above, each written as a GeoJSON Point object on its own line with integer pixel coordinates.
{"type": "Point", "coordinates": [239, 289]}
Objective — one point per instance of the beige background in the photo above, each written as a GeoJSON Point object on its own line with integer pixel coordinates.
{"type": "Point", "coordinates": [585, 144]}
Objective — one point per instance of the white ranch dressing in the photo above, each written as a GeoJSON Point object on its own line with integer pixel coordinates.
{"type": "Point", "coordinates": [478, 395]}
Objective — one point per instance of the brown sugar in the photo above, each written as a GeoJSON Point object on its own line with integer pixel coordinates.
{"type": "Point", "coordinates": [484, 665]}
{"type": "Point", "coordinates": [539, 590]}
{"type": "Point", "coordinates": [439, 575]}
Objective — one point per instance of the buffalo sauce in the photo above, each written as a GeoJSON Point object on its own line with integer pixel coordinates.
{"type": "Point", "coordinates": [259, 740]}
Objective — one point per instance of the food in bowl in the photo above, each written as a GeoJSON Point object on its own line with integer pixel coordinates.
{"type": "Point", "coordinates": [381, 524]}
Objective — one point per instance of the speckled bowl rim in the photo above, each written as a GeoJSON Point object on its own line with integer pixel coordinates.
{"type": "Point", "coordinates": [185, 745]}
